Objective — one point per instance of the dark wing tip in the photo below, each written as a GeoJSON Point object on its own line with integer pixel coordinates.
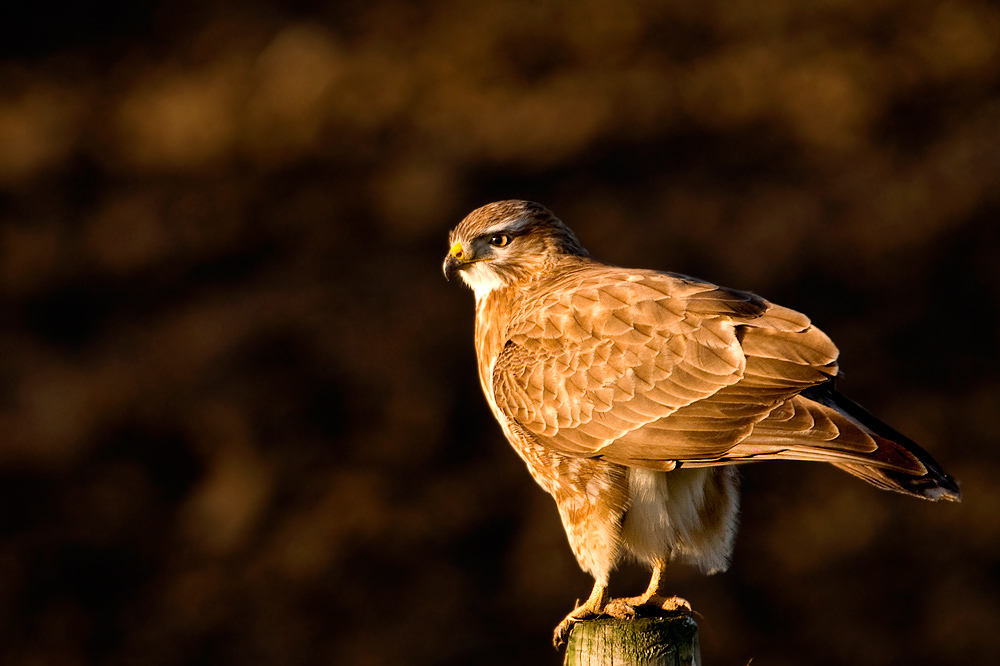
{"type": "Point", "coordinates": [934, 484]}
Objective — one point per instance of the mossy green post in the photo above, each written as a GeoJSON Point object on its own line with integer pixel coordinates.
{"type": "Point", "coordinates": [647, 641]}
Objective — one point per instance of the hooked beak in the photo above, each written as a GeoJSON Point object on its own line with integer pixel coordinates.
{"type": "Point", "coordinates": [456, 260]}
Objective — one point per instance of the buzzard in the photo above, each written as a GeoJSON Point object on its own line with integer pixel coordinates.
{"type": "Point", "coordinates": [631, 394]}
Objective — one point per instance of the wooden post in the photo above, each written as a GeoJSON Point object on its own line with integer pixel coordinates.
{"type": "Point", "coordinates": [647, 641]}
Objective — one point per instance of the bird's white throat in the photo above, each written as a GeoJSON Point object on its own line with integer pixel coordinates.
{"type": "Point", "coordinates": [481, 279]}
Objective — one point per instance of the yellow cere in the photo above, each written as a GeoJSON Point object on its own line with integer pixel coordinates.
{"type": "Point", "coordinates": [456, 250]}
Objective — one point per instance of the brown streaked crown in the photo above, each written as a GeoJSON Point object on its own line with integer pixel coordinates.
{"type": "Point", "coordinates": [520, 219]}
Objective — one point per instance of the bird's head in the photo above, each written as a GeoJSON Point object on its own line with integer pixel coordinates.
{"type": "Point", "coordinates": [505, 242]}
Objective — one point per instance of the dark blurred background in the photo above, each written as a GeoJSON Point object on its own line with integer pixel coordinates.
{"type": "Point", "coordinates": [240, 419]}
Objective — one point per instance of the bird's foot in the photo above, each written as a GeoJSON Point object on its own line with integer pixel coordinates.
{"type": "Point", "coordinates": [584, 611]}
{"type": "Point", "coordinates": [669, 605]}
{"type": "Point", "coordinates": [626, 608]}
{"type": "Point", "coordinates": [647, 605]}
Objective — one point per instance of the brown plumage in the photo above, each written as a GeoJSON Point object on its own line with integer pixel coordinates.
{"type": "Point", "coordinates": [630, 393]}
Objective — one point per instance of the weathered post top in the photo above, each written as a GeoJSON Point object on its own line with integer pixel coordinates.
{"type": "Point", "coordinates": [647, 641]}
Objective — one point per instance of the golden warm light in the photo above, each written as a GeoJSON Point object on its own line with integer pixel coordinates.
{"type": "Point", "coordinates": [240, 421]}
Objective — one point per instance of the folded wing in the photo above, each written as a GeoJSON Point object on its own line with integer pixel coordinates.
{"type": "Point", "coordinates": [655, 370]}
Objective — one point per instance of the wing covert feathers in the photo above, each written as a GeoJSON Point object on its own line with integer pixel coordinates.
{"type": "Point", "coordinates": [656, 370]}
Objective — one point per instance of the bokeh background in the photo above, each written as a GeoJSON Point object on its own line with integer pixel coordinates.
{"type": "Point", "coordinates": [240, 420]}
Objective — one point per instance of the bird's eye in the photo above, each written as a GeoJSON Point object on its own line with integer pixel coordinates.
{"type": "Point", "coordinates": [499, 240]}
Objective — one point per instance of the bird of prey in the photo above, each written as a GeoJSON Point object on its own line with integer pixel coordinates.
{"type": "Point", "coordinates": [631, 394]}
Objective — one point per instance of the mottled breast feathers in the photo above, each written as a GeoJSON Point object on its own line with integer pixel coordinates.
{"type": "Point", "coordinates": [648, 369]}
